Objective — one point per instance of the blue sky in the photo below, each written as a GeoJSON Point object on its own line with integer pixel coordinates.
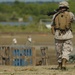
{"type": "Point", "coordinates": [28, 0]}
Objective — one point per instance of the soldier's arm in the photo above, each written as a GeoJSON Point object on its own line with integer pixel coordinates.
{"type": "Point", "coordinates": [72, 16]}
{"type": "Point", "coordinates": [52, 30]}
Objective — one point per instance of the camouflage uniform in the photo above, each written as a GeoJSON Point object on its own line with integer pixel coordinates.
{"type": "Point", "coordinates": [63, 49]}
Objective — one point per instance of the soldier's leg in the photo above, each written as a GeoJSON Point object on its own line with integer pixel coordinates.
{"type": "Point", "coordinates": [67, 49]}
{"type": "Point", "coordinates": [58, 47]}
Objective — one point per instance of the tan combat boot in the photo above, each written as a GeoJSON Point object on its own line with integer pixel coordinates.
{"type": "Point", "coordinates": [64, 61]}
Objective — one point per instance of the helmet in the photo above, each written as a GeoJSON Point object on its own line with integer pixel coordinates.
{"type": "Point", "coordinates": [64, 4]}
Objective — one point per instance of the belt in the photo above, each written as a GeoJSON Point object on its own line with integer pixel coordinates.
{"type": "Point", "coordinates": [62, 31]}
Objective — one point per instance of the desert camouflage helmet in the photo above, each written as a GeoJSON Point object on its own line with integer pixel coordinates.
{"type": "Point", "coordinates": [64, 4]}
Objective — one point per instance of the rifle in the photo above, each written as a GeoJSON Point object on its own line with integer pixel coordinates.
{"type": "Point", "coordinates": [53, 12]}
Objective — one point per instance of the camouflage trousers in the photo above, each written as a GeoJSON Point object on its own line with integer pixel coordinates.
{"type": "Point", "coordinates": [63, 49]}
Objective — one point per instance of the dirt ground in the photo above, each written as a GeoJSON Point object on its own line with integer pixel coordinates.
{"type": "Point", "coordinates": [36, 70]}
{"type": "Point", "coordinates": [37, 38]}
{"type": "Point", "coordinates": [6, 39]}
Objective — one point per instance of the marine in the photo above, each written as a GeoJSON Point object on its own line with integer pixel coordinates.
{"type": "Point", "coordinates": [62, 31]}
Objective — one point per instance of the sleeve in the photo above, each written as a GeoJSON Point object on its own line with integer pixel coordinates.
{"type": "Point", "coordinates": [72, 16]}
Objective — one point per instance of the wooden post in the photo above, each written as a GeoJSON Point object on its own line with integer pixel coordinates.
{"type": "Point", "coordinates": [44, 55]}
{"type": "Point", "coordinates": [34, 55]}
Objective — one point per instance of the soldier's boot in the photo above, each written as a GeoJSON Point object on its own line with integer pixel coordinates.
{"type": "Point", "coordinates": [59, 66]}
{"type": "Point", "coordinates": [64, 61]}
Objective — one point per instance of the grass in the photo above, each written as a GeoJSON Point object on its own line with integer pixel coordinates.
{"type": "Point", "coordinates": [23, 28]}
{"type": "Point", "coordinates": [34, 27]}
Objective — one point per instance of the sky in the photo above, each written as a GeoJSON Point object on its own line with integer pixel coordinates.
{"type": "Point", "coordinates": [28, 0]}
